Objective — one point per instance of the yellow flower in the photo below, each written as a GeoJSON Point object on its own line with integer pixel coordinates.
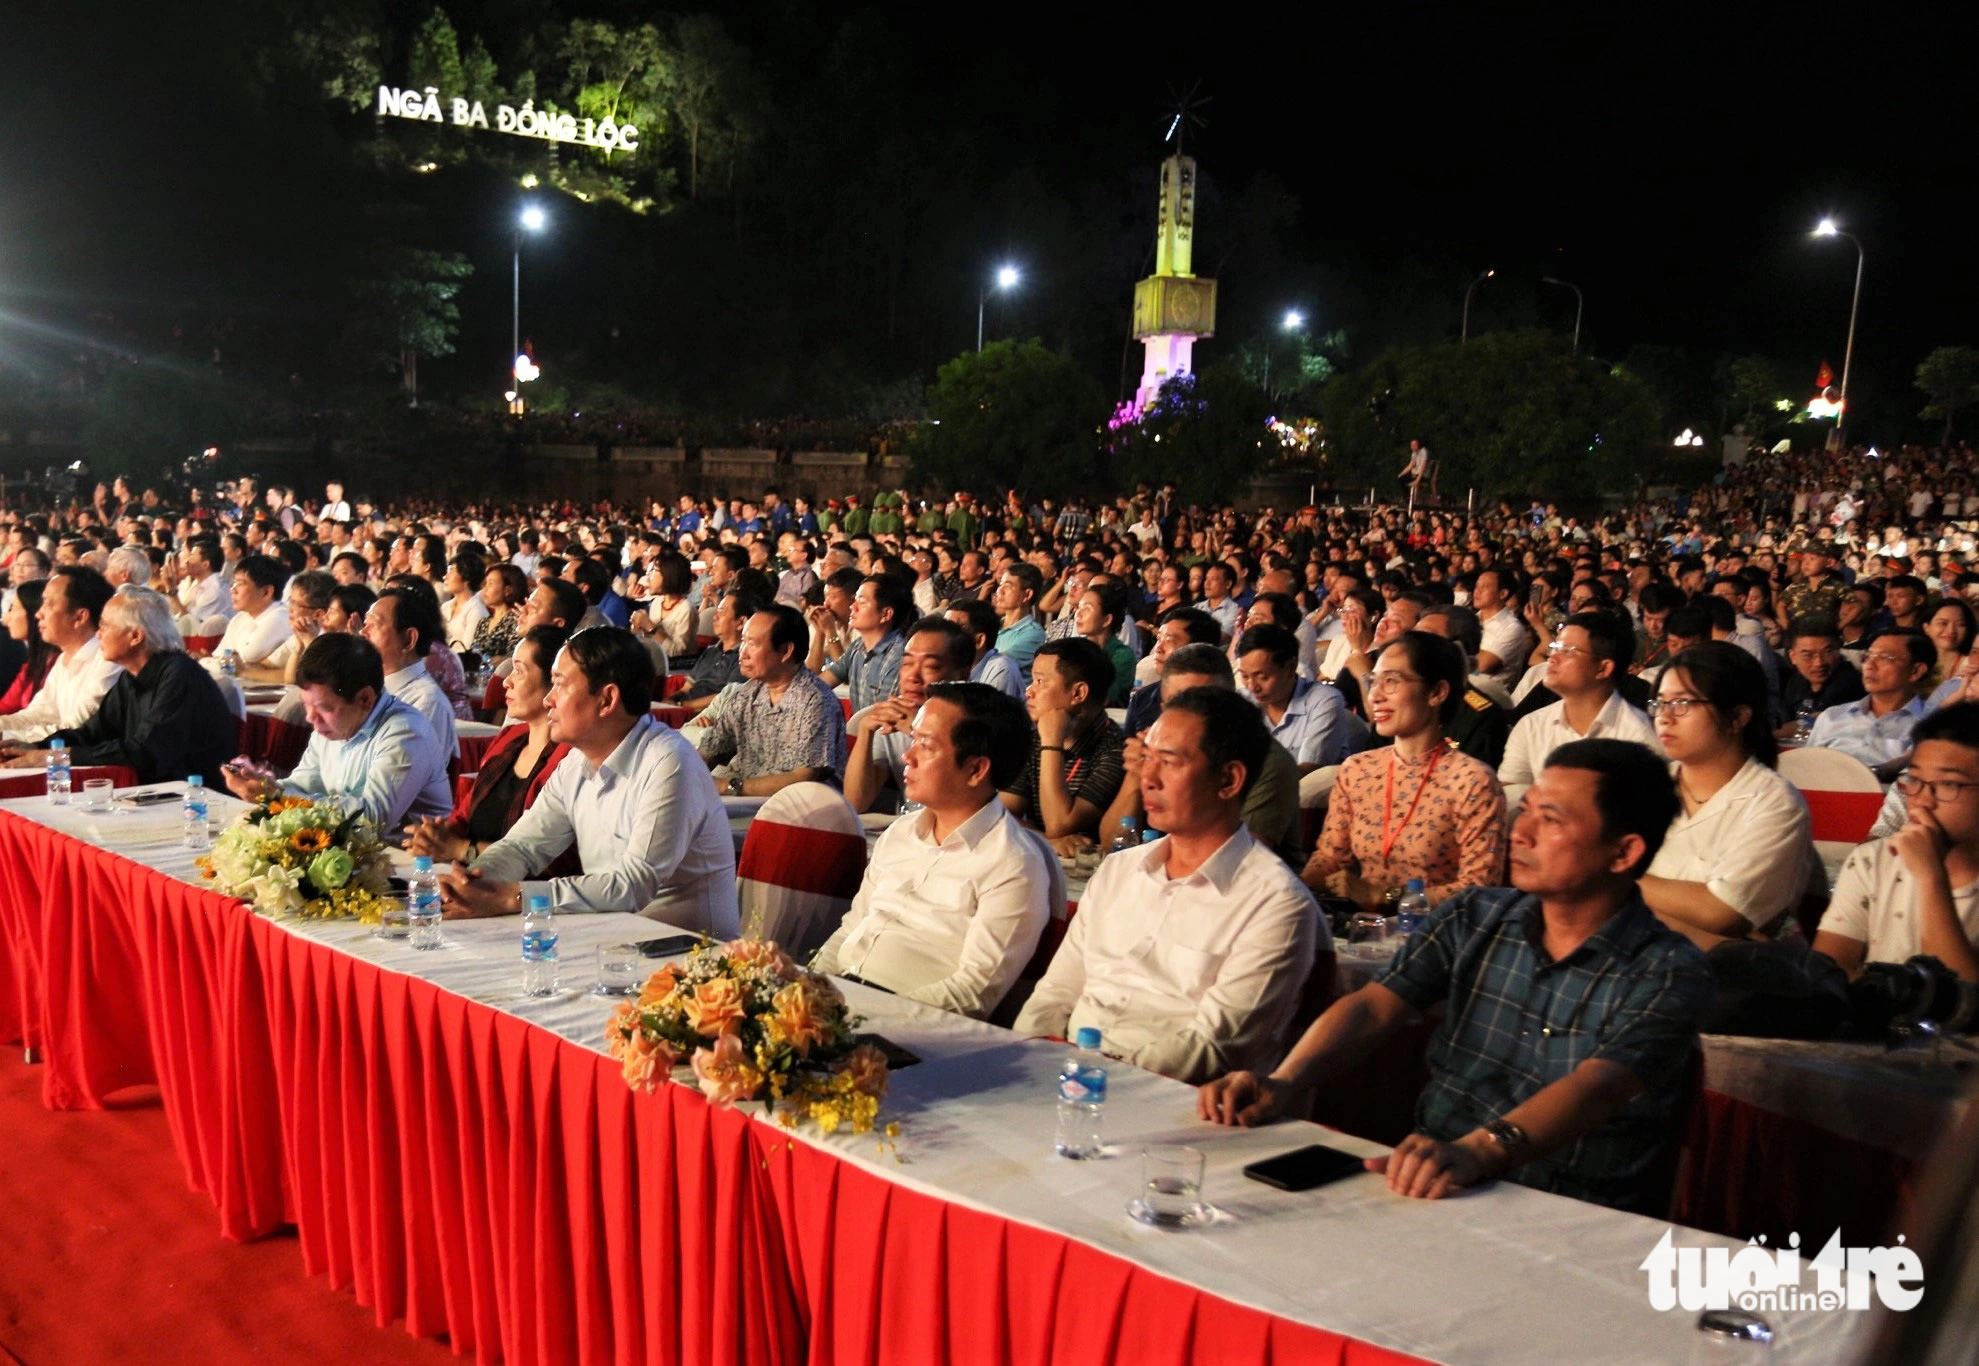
{"type": "Point", "coordinates": [310, 840]}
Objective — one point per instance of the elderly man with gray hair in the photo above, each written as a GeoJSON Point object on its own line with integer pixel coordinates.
{"type": "Point", "coordinates": [164, 716]}
{"type": "Point", "coordinates": [128, 564]}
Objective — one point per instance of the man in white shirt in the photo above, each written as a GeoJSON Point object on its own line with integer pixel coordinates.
{"type": "Point", "coordinates": [937, 651]}
{"type": "Point", "coordinates": [71, 604]}
{"type": "Point", "coordinates": [1502, 656]}
{"type": "Point", "coordinates": [260, 622]}
{"type": "Point", "coordinates": [201, 590]}
{"type": "Point", "coordinates": [1877, 728]}
{"type": "Point", "coordinates": [368, 750]}
{"type": "Point", "coordinates": [335, 507]}
{"type": "Point", "coordinates": [1189, 953]}
{"type": "Point", "coordinates": [1585, 662]}
{"type": "Point", "coordinates": [403, 626]}
{"type": "Point", "coordinates": [634, 796]}
{"type": "Point", "coordinates": [1218, 580]}
{"type": "Point", "coordinates": [1918, 891]}
{"type": "Point", "coordinates": [957, 894]}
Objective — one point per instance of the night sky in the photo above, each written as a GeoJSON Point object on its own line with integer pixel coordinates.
{"type": "Point", "coordinates": [1669, 162]}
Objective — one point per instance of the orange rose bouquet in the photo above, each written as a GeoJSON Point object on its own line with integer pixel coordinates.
{"type": "Point", "coordinates": [752, 1025]}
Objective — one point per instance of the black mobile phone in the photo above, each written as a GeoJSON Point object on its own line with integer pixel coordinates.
{"type": "Point", "coordinates": [153, 798]}
{"type": "Point", "coordinates": [672, 946]}
{"type": "Point", "coordinates": [1302, 1169]}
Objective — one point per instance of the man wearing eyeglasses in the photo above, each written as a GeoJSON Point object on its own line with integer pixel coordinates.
{"type": "Point", "coordinates": [1918, 891]}
{"type": "Point", "coordinates": [1584, 667]}
{"type": "Point", "coordinates": [1877, 729]}
{"type": "Point", "coordinates": [1821, 678]}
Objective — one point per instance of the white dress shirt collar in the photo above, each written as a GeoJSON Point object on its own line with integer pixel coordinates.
{"type": "Point", "coordinates": [1219, 870]}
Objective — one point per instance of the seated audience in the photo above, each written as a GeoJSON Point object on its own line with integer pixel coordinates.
{"type": "Point", "coordinates": [1074, 768]}
{"type": "Point", "coordinates": [1572, 1012]}
{"type": "Point", "coordinates": [975, 616]}
{"type": "Point", "coordinates": [882, 608]}
{"type": "Point", "coordinates": [1950, 627]}
{"type": "Point", "coordinates": [367, 749]}
{"type": "Point", "coordinates": [1590, 654]}
{"type": "Point", "coordinates": [1271, 806]}
{"type": "Point", "coordinates": [1179, 627]}
{"type": "Point", "coordinates": [937, 651]}
{"type": "Point", "coordinates": [164, 716]}
{"type": "Point", "coordinates": [347, 609]}
{"type": "Point", "coordinates": [1415, 808]}
{"type": "Point", "coordinates": [260, 622]}
{"type": "Point", "coordinates": [1819, 677]}
{"type": "Point", "coordinates": [1876, 729]}
{"type": "Point", "coordinates": [669, 616]}
{"type": "Point", "coordinates": [1738, 856]}
{"type": "Point", "coordinates": [1189, 953]}
{"type": "Point", "coordinates": [1018, 639]}
{"type": "Point", "coordinates": [721, 663]}
{"type": "Point", "coordinates": [515, 769]}
{"type": "Point", "coordinates": [307, 601]}
{"type": "Point", "coordinates": [442, 664]}
{"type": "Point", "coordinates": [1481, 725]}
{"type": "Point", "coordinates": [402, 627]}
{"type": "Point", "coordinates": [1097, 616]}
{"type": "Point", "coordinates": [72, 599]}
{"type": "Point", "coordinates": [504, 590]}
{"type": "Point", "coordinates": [956, 895]}
{"type": "Point", "coordinates": [1918, 890]}
{"type": "Point", "coordinates": [1309, 718]}
{"type": "Point", "coordinates": [784, 725]}
{"type": "Point", "coordinates": [631, 797]}
{"type": "Point", "coordinates": [40, 654]}
{"type": "Point", "coordinates": [462, 607]}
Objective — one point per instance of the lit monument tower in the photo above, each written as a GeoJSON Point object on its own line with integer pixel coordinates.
{"type": "Point", "coordinates": [1172, 307]}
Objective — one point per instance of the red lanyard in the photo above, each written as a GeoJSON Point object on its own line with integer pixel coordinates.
{"type": "Point", "coordinates": [1388, 837]}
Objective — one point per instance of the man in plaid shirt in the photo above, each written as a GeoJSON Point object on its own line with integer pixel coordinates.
{"type": "Point", "coordinates": [1571, 1010]}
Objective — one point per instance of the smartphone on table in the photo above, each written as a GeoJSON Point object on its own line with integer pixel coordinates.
{"type": "Point", "coordinates": [1305, 1169]}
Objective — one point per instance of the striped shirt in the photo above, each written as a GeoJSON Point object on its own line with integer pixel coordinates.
{"type": "Point", "coordinates": [1517, 1022]}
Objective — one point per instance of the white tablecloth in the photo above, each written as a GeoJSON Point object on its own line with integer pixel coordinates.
{"type": "Point", "coordinates": [1500, 1274]}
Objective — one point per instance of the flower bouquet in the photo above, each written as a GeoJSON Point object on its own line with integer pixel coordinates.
{"type": "Point", "coordinates": [296, 856]}
{"type": "Point", "coordinates": [753, 1025]}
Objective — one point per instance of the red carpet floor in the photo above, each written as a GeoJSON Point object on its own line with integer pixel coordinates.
{"type": "Point", "coordinates": [106, 1255]}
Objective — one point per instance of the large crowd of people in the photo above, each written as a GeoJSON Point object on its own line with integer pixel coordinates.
{"type": "Point", "coordinates": [1565, 731]}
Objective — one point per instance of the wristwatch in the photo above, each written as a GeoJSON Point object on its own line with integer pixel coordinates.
{"type": "Point", "coordinates": [735, 787]}
{"type": "Point", "coordinates": [1508, 1136]}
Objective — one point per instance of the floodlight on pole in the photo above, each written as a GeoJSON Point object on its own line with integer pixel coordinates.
{"type": "Point", "coordinates": [531, 218]}
{"type": "Point", "coordinates": [1827, 228]}
{"type": "Point", "coordinates": [1464, 335]}
{"type": "Point", "coordinates": [1007, 278]}
{"type": "Point", "coordinates": [1294, 320]}
{"type": "Point", "coordinates": [1580, 305]}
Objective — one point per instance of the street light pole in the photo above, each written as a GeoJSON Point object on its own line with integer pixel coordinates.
{"type": "Point", "coordinates": [532, 219]}
{"type": "Point", "coordinates": [1464, 336]}
{"type": "Point", "coordinates": [1580, 305]}
{"type": "Point", "coordinates": [1294, 321]}
{"type": "Point", "coordinates": [1006, 280]}
{"type": "Point", "coordinates": [1828, 229]}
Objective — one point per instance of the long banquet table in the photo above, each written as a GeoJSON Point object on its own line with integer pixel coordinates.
{"type": "Point", "coordinates": [469, 1161]}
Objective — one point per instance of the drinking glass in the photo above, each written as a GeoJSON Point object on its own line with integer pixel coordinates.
{"type": "Point", "coordinates": [97, 794]}
{"type": "Point", "coordinates": [396, 923]}
{"type": "Point", "coordinates": [1171, 1188]}
{"type": "Point", "coordinates": [619, 970]}
{"type": "Point", "coordinates": [1369, 931]}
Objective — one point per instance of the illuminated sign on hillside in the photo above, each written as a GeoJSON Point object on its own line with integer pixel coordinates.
{"type": "Point", "coordinates": [545, 124]}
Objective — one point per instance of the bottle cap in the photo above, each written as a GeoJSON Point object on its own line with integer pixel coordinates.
{"type": "Point", "coordinates": [1088, 1038]}
{"type": "Point", "coordinates": [539, 903]}
{"type": "Point", "coordinates": [58, 744]}
{"type": "Point", "coordinates": [1415, 884]}
{"type": "Point", "coordinates": [422, 864]}
{"type": "Point", "coordinates": [195, 781]}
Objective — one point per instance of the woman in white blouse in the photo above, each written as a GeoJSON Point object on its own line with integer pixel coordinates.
{"type": "Point", "coordinates": [1736, 861]}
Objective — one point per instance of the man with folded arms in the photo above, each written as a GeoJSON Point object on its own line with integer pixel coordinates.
{"type": "Point", "coordinates": [937, 651]}
{"type": "Point", "coordinates": [71, 606]}
{"type": "Point", "coordinates": [956, 895]}
{"type": "Point", "coordinates": [1572, 1010]}
{"type": "Point", "coordinates": [1188, 954]}
{"type": "Point", "coordinates": [368, 748]}
{"type": "Point", "coordinates": [632, 794]}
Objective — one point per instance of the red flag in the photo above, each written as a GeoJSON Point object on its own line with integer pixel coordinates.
{"type": "Point", "coordinates": [1825, 378]}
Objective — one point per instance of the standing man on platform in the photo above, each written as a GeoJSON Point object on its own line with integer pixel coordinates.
{"type": "Point", "coordinates": [632, 795]}
{"type": "Point", "coordinates": [1572, 1009]}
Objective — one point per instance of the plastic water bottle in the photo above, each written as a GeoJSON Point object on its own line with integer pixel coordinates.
{"type": "Point", "coordinates": [1412, 911]}
{"type": "Point", "coordinates": [198, 835]}
{"type": "Point", "coordinates": [539, 949]}
{"type": "Point", "coordinates": [1128, 838]}
{"type": "Point", "coordinates": [1803, 723]}
{"type": "Point", "coordinates": [58, 772]}
{"type": "Point", "coordinates": [422, 905]}
{"type": "Point", "coordinates": [230, 663]}
{"type": "Point", "coordinates": [1082, 1098]}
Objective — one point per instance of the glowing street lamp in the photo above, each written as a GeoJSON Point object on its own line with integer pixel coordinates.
{"type": "Point", "coordinates": [1827, 228]}
{"type": "Point", "coordinates": [530, 219]}
{"type": "Point", "coordinates": [1294, 320]}
{"type": "Point", "coordinates": [1464, 336]}
{"type": "Point", "coordinates": [1007, 278]}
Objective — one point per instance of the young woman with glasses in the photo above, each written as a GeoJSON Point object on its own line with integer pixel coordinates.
{"type": "Point", "coordinates": [1736, 861]}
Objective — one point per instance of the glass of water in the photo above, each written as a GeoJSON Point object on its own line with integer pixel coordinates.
{"type": "Point", "coordinates": [1369, 931]}
{"type": "Point", "coordinates": [619, 970]}
{"type": "Point", "coordinates": [397, 920]}
{"type": "Point", "coordinates": [1171, 1188]}
{"type": "Point", "coordinates": [97, 794]}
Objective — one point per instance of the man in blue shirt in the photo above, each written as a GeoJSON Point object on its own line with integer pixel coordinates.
{"type": "Point", "coordinates": [370, 751]}
{"type": "Point", "coordinates": [1016, 602]}
{"type": "Point", "coordinates": [882, 610]}
{"type": "Point", "coordinates": [1572, 1012]}
{"type": "Point", "coordinates": [1876, 729]}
